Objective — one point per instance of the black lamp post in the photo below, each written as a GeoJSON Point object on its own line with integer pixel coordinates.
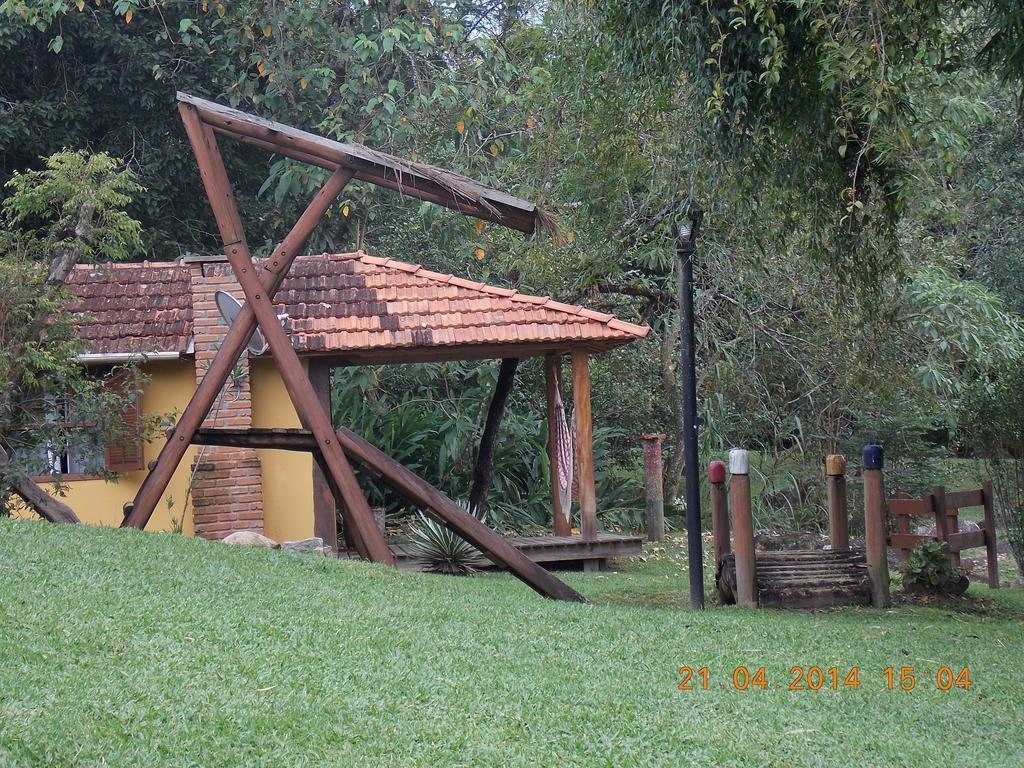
{"type": "Point", "coordinates": [686, 245]}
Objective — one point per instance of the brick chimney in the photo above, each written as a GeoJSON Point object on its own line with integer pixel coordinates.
{"type": "Point", "coordinates": [227, 491]}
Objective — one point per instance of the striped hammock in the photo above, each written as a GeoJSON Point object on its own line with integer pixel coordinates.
{"type": "Point", "coordinates": [564, 453]}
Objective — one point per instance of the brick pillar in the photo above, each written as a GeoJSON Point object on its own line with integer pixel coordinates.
{"type": "Point", "coordinates": [227, 490]}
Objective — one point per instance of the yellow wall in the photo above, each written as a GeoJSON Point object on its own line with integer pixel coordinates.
{"type": "Point", "coordinates": [97, 502]}
{"type": "Point", "coordinates": [287, 475]}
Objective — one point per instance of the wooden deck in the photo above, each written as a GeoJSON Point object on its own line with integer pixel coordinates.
{"type": "Point", "coordinates": [550, 550]}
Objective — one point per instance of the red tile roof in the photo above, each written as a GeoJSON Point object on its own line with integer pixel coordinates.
{"type": "Point", "coordinates": [357, 305]}
{"type": "Point", "coordinates": [143, 307]}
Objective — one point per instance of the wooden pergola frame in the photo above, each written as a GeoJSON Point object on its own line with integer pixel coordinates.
{"type": "Point", "coordinates": [203, 120]}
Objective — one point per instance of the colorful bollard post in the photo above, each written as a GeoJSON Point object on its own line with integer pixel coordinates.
{"type": "Point", "coordinates": [875, 532]}
{"type": "Point", "coordinates": [653, 486]}
{"type": "Point", "coordinates": [719, 509]}
{"type": "Point", "coordinates": [838, 519]}
{"type": "Point", "coordinates": [743, 528]}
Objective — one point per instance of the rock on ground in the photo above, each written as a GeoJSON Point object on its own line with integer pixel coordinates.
{"type": "Point", "coordinates": [311, 544]}
{"type": "Point", "coordinates": [250, 539]}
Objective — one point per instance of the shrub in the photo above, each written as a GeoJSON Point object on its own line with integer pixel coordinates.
{"type": "Point", "coordinates": [929, 567]}
{"type": "Point", "coordinates": [441, 550]}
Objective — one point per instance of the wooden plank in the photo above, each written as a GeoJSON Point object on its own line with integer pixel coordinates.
{"type": "Point", "coordinates": [965, 540]}
{"type": "Point", "coordinates": [447, 512]}
{"type": "Point", "coordinates": [945, 520]}
{"type": "Point", "coordinates": [584, 443]}
{"type": "Point", "coordinates": [962, 499]}
{"type": "Point", "coordinates": [325, 511]}
{"type": "Point", "coordinates": [561, 525]}
{"type": "Point", "coordinates": [911, 507]}
{"type": "Point", "coordinates": [908, 541]}
{"type": "Point", "coordinates": [155, 483]}
{"type": "Point", "coordinates": [989, 525]}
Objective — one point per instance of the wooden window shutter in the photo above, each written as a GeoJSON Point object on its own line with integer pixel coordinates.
{"type": "Point", "coordinates": [127, 456]}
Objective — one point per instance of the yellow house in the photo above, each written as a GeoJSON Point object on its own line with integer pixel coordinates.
{"type": "Point", "coordinates": [339, 309]}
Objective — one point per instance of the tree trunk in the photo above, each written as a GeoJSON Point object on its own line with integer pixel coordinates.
{"type": "Point", "coordinates": [673, 393]}
{"type": "Point", "coordinates": [483, 472]}
{"type": "Point", "coordinates": [45, 505]}
{"type": "Point", "coordinates": [63, 262]}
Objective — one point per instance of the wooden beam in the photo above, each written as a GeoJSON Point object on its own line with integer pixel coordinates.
{"type": "Point", "coordinates": [561, 523]}
{"type": "Point", "coordinates": [325, 510]}
{"type": "Point", "coordinates": [412, 488]}
{"type": "Point", "coordinates": [444, 187]}
{"type": "Point", "coordinates": [584, 443]}
{"type": "Point", "coordinates": [155, 483]}
{"type": "Point", "coordinates": [483, 470]}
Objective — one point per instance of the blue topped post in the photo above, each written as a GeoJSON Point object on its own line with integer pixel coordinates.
{"type": "Point", "coordinates": [876, 534]}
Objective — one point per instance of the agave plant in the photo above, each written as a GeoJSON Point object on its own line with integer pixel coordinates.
{"type": "Point", "coordinates": [441, 550]}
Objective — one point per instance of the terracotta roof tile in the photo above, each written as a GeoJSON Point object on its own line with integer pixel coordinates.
{"type": "Point", "coordinates": [125, 308]}
{"type": "Point", "coordinates": [340, 303]}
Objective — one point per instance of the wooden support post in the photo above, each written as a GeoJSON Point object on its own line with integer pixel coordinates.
{"type": "Point", "coordinates": [584, 443]}
{"type": "Point", "coordinates": [325, 509]}
{"type": "Point", "coordinates": [838, 519]}
{"type": "Point", "coordinates": [875, 531]}
{"type": "Point", "coordinates": [561, 518]}
{"type": "Point", "coordinates": [653, 486]}
{"type": "Point", "coordinates": [989, 526]}
{"type": "Point", "coordinates": [743, 529]}
{"type": "Point", "coordinates": [719, 510]}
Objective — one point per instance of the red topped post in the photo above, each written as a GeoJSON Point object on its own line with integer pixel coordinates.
{"type": "Point", "coordinates": [719, 510]}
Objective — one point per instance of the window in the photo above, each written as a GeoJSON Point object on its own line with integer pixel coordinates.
{"type": "Point", "coordinates": [85, 453]}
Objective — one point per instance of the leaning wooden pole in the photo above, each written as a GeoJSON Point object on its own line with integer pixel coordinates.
{"type": "Point", "coordinates": [483, 471]}
{"type": "Point", "coordinates": [743, 529]}
{"type": "Point", "coordinates": [875, 532]}
{"type": "Point", "coordinates": [838, 519]}
{"type": "Point", "coordinates": [444, 510]}
{"type": "Point", "coordinates": [719, 510]}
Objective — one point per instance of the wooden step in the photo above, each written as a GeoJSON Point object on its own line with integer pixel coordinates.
{"type": "Point", "coordinates": [803, 578]}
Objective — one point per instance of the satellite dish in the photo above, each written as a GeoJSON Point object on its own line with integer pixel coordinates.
{"type": "Point", "coordinates": [229, 307]}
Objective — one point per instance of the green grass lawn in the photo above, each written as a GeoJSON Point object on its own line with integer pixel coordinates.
{"type": "Point", "coordinates": [124, 648]}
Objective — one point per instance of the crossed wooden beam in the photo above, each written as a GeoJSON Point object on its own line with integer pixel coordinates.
{"type": "Point", "coordinates": [202, 121]}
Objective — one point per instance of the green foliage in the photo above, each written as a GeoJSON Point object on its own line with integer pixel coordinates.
{"type": "Point", "coordinates": [929, 567]}
{"type": "Point", "coordinates": [77, 202]}
{"type": "Point", "coordinates": [992, 418]}
{"type": "Point", "coordinates": [442, 550]}
{"type": "Point", "coordinates": [429, 418]}
{"type": "Point", "coordinates": [49, 403]}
